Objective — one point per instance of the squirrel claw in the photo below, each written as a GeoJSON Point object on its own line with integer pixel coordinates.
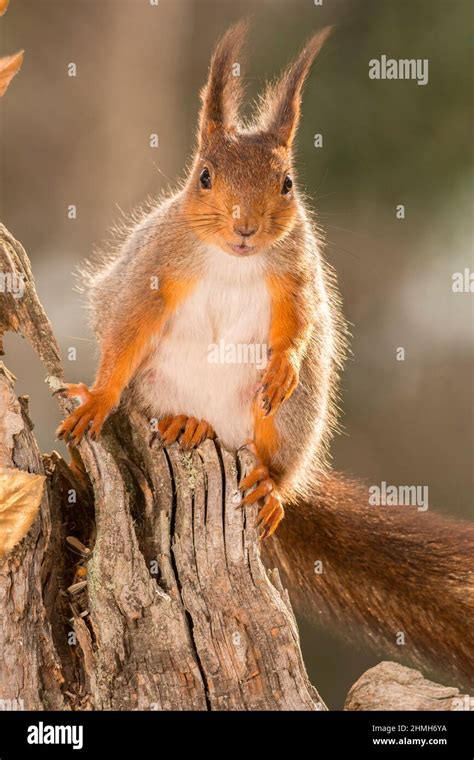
{"type": "Point", "coordinates": [259, 473]}
{"type": "Point", "coordinates": [93, 410]}
{"type": "Point", "coordinates": [263, 490]}
{"type": "Point", "coordinates": [193, 432]}
{"type": "Point", "coordinates": [270, 516]}
{"type": "Point", "coordinates": [278, 383]}
{"type": "Point", "coordinates": [258, 476]}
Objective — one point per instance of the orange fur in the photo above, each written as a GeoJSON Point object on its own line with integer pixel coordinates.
{"type": "Point", "coordinates": [241, 195]}
{"type": "Point", "coordinates": [290, 326]}
{"type": "Point", "coordinates": [289, 333]}
{"type": "Point", "coordinates": [122, 353]}
{"type": "Point", "coordinates": [265, 435]}
{"type": "Point", "coordinates": [287, 338]}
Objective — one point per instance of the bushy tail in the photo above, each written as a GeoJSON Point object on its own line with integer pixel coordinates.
{"type": "Point", "coordinates": [384, 571]}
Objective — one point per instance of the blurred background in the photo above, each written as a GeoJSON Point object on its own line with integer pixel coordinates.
{"type": "Point", "coordinates": [85, 141]}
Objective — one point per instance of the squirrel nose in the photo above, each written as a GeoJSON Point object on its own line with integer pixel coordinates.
{"type": "Point", "coordinates": [245, 230]}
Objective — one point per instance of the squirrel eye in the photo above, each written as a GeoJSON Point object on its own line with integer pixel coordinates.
{"type": "Point", "coordinates": [205, 179]}
{"type": "Point", "coordinates": [287, 185]}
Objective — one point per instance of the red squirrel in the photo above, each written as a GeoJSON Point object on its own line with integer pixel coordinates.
{"type": "Point", "coordinates": [233, 256]}
{"type": "Point", "coordinates": [236, 259]}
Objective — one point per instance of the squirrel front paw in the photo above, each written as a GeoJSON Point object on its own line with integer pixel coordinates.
{"type": "Point", "coordinates": [94, 409]}
{"type": "Point", "coordinates": [194, 431]}
{"type": "Point", "coordinates": [279, 381]}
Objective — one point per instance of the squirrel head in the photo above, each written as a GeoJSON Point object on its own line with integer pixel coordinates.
{"type": "Point", "coordinates": [240, 195]}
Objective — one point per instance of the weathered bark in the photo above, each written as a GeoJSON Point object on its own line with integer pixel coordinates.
{"type": "Point", "coordinates": [30, 671]}
{"type": "Point", "coordinates": [176, 610]}
{"type": "Point", "coordinates": [390, 686]}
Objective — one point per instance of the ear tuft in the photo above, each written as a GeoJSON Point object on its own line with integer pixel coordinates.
{"type": "Point", "coordinates": [222, 94]}
{"type": "Point", "coordinates": [281, 102]}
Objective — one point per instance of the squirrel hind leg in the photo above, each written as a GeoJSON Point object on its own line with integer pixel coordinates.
{"type": "Point", "coordinates": [262, 487]}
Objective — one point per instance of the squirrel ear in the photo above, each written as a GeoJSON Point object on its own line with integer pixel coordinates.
{"type": "Point", "coordinates": [222, 93]}
{"type": "Point", "coordinates": [280, 110]}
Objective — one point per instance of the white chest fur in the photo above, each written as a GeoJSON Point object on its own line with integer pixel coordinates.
{"type": "Point", "coordinates": [210, 360]}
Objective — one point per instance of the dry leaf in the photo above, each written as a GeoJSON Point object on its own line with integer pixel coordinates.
{"type": "Point", "coordinates": [76, 587]}
{"type": "Point", "coordinates": [20, 499]}
{"type": "Point", "coordinates": [77, 545]}
{"type": "Point", "coordinates": [9, 66]}
{"type": "Point", "coordinates": [3, 6]}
